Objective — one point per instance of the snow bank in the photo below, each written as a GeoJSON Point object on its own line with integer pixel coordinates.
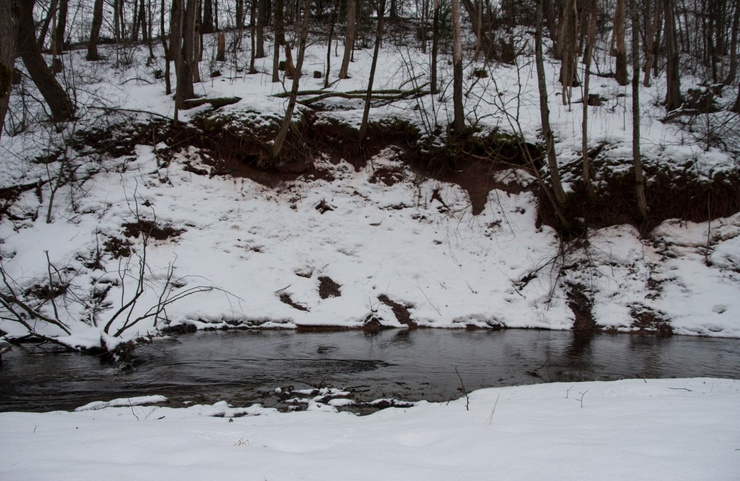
{"type": "Point", "coordinates": [678, 429]}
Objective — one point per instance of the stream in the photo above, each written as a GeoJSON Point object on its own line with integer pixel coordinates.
{"type": "Point", "coordinates": [244, 367]}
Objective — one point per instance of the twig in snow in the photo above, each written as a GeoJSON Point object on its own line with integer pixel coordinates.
{"type": "Point", "coordinates": [490, 418]}
{"type": "Point", "coordinates": [581, 398]}
{"type": "Point", "coordinates": [567, 391]}
{"type": "Point", "coordinates": [465, 391]}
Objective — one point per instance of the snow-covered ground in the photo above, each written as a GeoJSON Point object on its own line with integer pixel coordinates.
{"type": "Point", "coordinates": [676, 429]}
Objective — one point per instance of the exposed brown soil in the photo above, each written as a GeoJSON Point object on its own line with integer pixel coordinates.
{"type": "Point", "coordinates": [151, 229]}
{"type": "Point", "coordinates": [649, 321]}
{"type": "Point", "coordinates": [401, 311]}
{"type": "Point", "coordinates": [286, 299]}
{"type": "Point", "coordinates": [581, 305]}
{"type": "Point", "coordinates": [328, 288]}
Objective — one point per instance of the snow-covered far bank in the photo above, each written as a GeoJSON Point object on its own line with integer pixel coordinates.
{"type": "Point", "coordinates": [343, 252]}
{"type": "Point", "coordinates": [379, 243]}
{"type": "Point", "coordinates": [677, 429]}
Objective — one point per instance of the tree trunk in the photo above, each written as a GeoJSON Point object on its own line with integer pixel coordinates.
{"type": "Point", "coordinates": [673, 98]}
{"type": "Point", "coordinates": [592, 10]}
{"type": "Point", "coordinates": [50, 14]}
{"type": "Point", "coordinates": [736, 108]}
{"type": "Point", "coordinates": [332, 26]}
{"type": "Point", "coordinates": [57, 41]}
{"type": "Point", "coordinates": [182, 47]}
{"type": "Point", "coordinates": [433, 84]}
{"type": "Point", "coordinates": [483, 42]}
{"type": "Point", "coordinates": [458, 124]}
{"type": "Point", "coordinates": [732, 73]}
{"type": "Point", "coordinates": [165, 47]}
{"type": "Point", "coordinates": [636, 158]}
{"type": "Point", "coordinates": [378, 39]}
{"type": "Point", "coordinates": [97, 22]}
{"type": "Point", "coordinates": [56, 98]}
{"type": "Point", "coordinates": [277, 146]}
{"type": "Point", "coordinates": [552, 160]}
{"type": "Point", "coordinates": [207, 24]}
{"type": "Point", "coordinates": [349, 41]}
{"type": "Point", "coordinates": [619, 47]}
{"type": "Point", "coordinates": [262, 17]}
{"type": "Point", "coordinates": [279, 40]}
{"type": "Point", "coordinates": [651, 38]}
{"type": "Point", "coordinates": [252, 36]}
{"type": "Point", "coordinates": [8, 23]}
{"type": "Point", "coordinates": [568, 43]}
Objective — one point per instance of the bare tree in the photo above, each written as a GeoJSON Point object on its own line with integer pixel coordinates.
{"type": "Point", "coordinates": [8, 23]}
{"type": "Point", "coordinates": [652, 32]}
{"type": "Point", "coordinates": [736, 107]}
{"type": "Point", "coordinates": [619, 47]}
{"type": "Point", "coordinates": [277, 146]}
{"type": "Point", "coordinates": [54, 94]}
{"type": "Point", "coordinates": [279, 40]}
{"type": "Point", "coordinates": [636, 157]}
{"type": "Point", "coordinates": [183, 48]}
{"type": "Point", "coordinates": [592, 12]}
{"type": "Point", "coordinates": [552, 160]}
{"type": "Point", "coordinates": [673, 98]}
{"type": "Point", "coordinates": [567, 42]}
{"type": "Point", "coordinates": [732, 73]}
{"type": "Point", "coordinates": [97, 23]}
{"type": "Point", "coordinates": [458, 124]}
{"type": "Point", "coordinates": [378, 40]}
{"type": "Point", "coordinates": [349, 40]}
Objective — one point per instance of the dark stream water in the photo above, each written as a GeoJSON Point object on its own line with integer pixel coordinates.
{"type": "Point", "coordinates": [246, 367]}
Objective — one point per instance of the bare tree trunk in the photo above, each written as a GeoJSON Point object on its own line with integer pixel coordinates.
{"type": "Point", "coordinates": [433, 87]}
{"type": "Point", "coordinates": [97, 22]}
{"type": "Point", "coordinates": [279, 40]}
{"type": "Point", "coordinates": [673, 98]}
{"type": "Point", "coordinates": [652, 30]}
{"type": "Point", "coordinates": [349, 41]}
{"type": "Point", "coordinates": [636, 158]}
{"type": "Point", "coordinates": [277, 146]}
{"type": "Point", "coordinates": [50, 14]}
{"type": "Point", "coordinates": [165, 47]}
{"type": "Point", "coordinates": [458, 124]}
{"type": "Point", "coordinates": [552, 160]}
{"type": "Point", "coordinates": [182, 47]}
{"type": "Point", "coordinates": [732, 73]}
{"type": "Point", "coordinates": [378, 39]}
{"type": "Point", "coordinates": [736, 108]}
{"type": "Point", "coordinates": [332, 26]}
{"type": "Point", "coordinates": [55, 96]}
{"type": "Point", "coordinates": [476, 15]}
{"type": "Point", "coordinates": [592, 11]}
{"type": "Point", "coordinates": [567, 41]}
{"type": "Point", "coordinates": [262, 17]}
{"type": "Point", "coordinates": [619, 47]}
{"type": "Point", "coordinates": [239, 24]}
{"type": "Point", "coordinates": [8, 24]}
{"type": "Point", "coordinates": [207, 24]}
{"type": "Point", "coordinates": [57, 41]}
{"type": "Point", "coordinates": [252, 36]}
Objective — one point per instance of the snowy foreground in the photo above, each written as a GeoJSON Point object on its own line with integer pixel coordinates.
{"type": "Point", "coordinates": [669, 429]}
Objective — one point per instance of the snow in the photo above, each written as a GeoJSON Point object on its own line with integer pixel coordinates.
{"type": "Point", "coordinates": [678, 429]}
